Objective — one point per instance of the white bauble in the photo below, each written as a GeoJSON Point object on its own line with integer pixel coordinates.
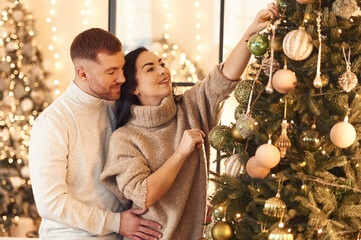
{"type": "Point", "coordinates": [255, 170]}
{"type": "Point", "coordinates": [267, 155]}
{"type": "Point", "coordinates": [297, 44]}
{"type": "Point", "coordinates": [343, 134]}
{"type": "Point", "coordinates": [284, 80]}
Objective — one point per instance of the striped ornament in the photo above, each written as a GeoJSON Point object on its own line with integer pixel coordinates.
{"type": "Point", "coordinates": [297, 44]}
{"type": "Point", "coordinates": [233, 166]}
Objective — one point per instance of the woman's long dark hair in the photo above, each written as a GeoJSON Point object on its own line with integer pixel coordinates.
{"type": "Point", "coordinates": [127, 99]}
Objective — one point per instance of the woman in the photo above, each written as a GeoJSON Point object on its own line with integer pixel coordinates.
{"type": "Point", "coordinates": [157, 157]}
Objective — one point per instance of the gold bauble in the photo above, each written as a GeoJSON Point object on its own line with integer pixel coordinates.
{"type": "Point", "coordinates": [236, 135]}
{"type": "Point", "coordinates": [251, 71]}
{"type": "Point", "coordinates": [297, 44]}
{"type": "Point", "coordinates": [280, 234]}
{"type": "Point", "coordinates": [343, 134]}
{"type": "Point", "coordinates": [222, 231]}
{"type": "Point", "coordinates": [274, 207]}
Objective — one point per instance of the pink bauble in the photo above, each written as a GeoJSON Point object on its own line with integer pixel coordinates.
{"type": "Point", "coordinates": [284, 80]}
{"type": "Point", "coordinates": [343, 134]}
{"type": "Point", "coordinates": [255, 170]}
{"type": "Point", "coordinates": [304, 1]}
{"type": "Point", "coordinates": [267, 155]}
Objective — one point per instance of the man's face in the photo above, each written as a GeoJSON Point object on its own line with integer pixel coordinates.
{"type": "Point", "coordinates": [105, 77]}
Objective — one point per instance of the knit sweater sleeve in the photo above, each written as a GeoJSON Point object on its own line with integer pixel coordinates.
{"type": "Point", "coordinates": [208, 96]}
{"type": "Point", "coordinates": [126, 170]}
{"type": "Point", "coordinates": [48, 154]}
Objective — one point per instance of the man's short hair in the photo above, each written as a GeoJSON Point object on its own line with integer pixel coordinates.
{"type": "Point", "coordinates": [90, 42]}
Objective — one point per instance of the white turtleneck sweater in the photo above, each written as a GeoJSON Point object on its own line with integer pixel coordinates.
{"type": "Point", "coordinates": [67, 152]}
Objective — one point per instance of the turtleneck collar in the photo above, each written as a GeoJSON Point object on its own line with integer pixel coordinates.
{"type": "Point", "coordinates": [154, 116]}
{"type": "Point", "coordinates": [84, 99]}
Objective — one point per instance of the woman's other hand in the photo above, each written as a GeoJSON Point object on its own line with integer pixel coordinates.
{"type": "Point", "coordinates": [191, 138]}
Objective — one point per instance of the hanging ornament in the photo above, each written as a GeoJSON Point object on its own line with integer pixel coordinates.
{"type": "Point", "coordinates": [255, 170]}
{"type": "Point", "coordinates": [297, 44]}
{"type": "Point", "coordinates": [284, 80]}
{"type": "Point", "coordinates": [274, 207]}
{"type": "Point", "coordinates": [251, 71]}
{"type": "Point", "coordinates": [346, 8]}
{"type": "Point", "coordinates": [343, 134]}
{"type": "Point", "coordinates": [310, 139]}
{"type": "Point", "coordinates": [347, 80]}
{"type": "Point", "coordinates": [266, 65]}
{"type": "Point", "coordinates": [270, 87]}
{"type": "Point", "coordinates": [304, 1]}
{"type": "Point", "coordinates": [258, 44]}
{"type": "Point", "coordinates": [280, 234]}
{"type": "Point", "coordinates": [267, 155]}
{"type": "Point", "coordinates": [317, 83]}
{"type": "Point", "coordinates": [236, 135]}
{"type": "Point", "coordinates": [283, 142]}
{"type": "Point", "coordinates": [220, 138]}
{"type": "Point", "coordinates": [246, 126]}
{"type": "Point", "coordinates": [233, 165]}
{"type": "Point", "coordinates": [222, 231]}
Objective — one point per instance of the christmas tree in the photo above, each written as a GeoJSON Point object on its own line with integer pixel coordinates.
{"type": "Point", "coordinates": [23, 96]}
{"type": "Point", "coordinates": [292, 158]}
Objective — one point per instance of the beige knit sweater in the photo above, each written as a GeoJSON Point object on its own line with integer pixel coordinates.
{"type": "Point", "coordinates": [150, 138]}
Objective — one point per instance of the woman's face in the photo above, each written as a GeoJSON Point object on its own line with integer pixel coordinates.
{"type": "Point", "coordinates": [153, 79]}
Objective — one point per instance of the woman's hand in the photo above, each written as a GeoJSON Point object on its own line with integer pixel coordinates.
{"type": "Point", "coordinates": [261, 20]}
{"type": "Point", "coordinates": [191, 138]}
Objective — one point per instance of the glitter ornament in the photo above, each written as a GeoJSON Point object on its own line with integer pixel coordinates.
{"type": "Point", "coordinates": [222, 231]}
{"type": "Point", "coordinates": [346, 8]}
{"type": "Point", "coordinates": [297, 44]}
{"type": "Point", "coordinates": [254, 170]}
{"type": "Point", "coordinates": [267, 155]}
{"type": "Point", "coordinates": [347, 80]}
{"type": "Point", "coordinates": [283, 142]}
{"type": "Point", "coordinates": [258, 44]}
{"type": "Point", "coordinates": [233, 166]}
{"type": "Point", "coordinates": [242, 92]}
{"type": "Point", "coordinates": [246, 126]}
{"type": "Point", "coordinates": [280, 234]}
{"type": "Point", "coordinates": [343, 134]}
{"type": "Point", "coordinates": [274, 207]}
{"type": "Point", "coordinates": [220, 138]}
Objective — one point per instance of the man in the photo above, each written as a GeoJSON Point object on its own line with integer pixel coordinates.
{"type": "Point", "coordinates": [68, 147]}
